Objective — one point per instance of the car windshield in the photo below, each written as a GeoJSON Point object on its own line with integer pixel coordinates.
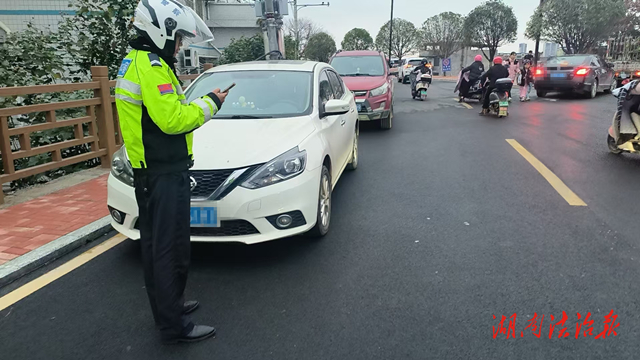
{"type": "Point", "coordinates": [415, 62]}
{"type": "Point", "coordinates": [567, 61]}
{"type": "Point", "coordinates": [258, 94]}
{"type": "Point", "coordinates": [358, 65]}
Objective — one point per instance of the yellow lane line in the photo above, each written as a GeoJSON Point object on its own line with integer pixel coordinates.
{"type": "Point", "coordinates": [555, 181]}
{"type": "Point", "coordinates": [464, 104]}
{"type": "Point", "coordinates": [53, 275]}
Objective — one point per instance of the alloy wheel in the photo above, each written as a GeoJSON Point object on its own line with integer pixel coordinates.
{"type": "Point", "coordinates": [325, 202]}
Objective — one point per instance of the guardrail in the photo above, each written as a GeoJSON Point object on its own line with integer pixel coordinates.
{"type": "Point", "coordinates": [101, 119]}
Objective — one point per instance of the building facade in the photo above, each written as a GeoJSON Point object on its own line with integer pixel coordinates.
{"type": "Point", "coordinates": [523, 48]}
{"type": "Point", "coordinates": [43, 14]}
{"type": "Point", "coordinates": [550, 49]}
{"type": "Point", "coordinates": [231, 19]}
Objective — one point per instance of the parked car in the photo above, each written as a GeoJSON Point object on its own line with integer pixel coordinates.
{"type": "Point", "coordinates": [267, 162]}
{"type": "Point", "coordinates": [582, 74]}
{"type": "Point", "coordinates": [407, 66]}
{"type": "Point", "coordinates": [368, 76]}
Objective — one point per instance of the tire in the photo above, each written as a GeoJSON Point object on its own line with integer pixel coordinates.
{"type": "Point", "coordinates": [405, 80]}
{"type": "Point", "coordinates": [541, 93]}
{"type": "Point", "coordinates": [323, 220]}
{"type": "Point", "coordinates": [612, 87]}
{"type": "Point", "coordinates": [593, 92]}
{"type": "Point", "coordinates": [399, 79]}
{"type": "Point", "coordinates": [353, 164]}
{"type": "Point", "coordinates": [386, 124]}
{"type": "Point", "coordinates": [611, 143]}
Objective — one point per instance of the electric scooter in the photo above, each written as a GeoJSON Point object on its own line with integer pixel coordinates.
{"type": "Point", "coordinates": [499, 98]}
{"type": "Point", "coordinates": [422, 82]}
{"type": "Point", "coordinates": [624, 134]}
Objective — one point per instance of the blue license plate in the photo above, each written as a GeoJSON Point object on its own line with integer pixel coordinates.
{"type": "Point", "coordinates": [204, 217]}
{"type": "Point", "coordinates": [423, 92]}
{"type": "Point", "coordinates": [558, 75]}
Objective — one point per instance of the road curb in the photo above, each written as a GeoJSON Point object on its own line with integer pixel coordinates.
{"type": "Point", "coordinates": [39, 257]}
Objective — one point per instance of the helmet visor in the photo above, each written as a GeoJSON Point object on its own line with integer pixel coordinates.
{"type": "Point", "coordinates": [199, 34]}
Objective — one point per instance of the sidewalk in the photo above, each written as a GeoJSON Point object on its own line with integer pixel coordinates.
{"type": "Point", "coordinates": [32, 224]}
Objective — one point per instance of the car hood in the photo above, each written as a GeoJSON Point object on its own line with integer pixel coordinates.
{"type": "Point", "coordinates": [231, 144]}
{"type": "Point", "coordinates": [361, 83]}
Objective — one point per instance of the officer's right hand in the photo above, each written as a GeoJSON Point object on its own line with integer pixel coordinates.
{"type": "Point", "coordinates": [220, 95]}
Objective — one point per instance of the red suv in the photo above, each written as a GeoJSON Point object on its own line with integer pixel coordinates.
{"type": "Point", "coordinates": [367, 75]}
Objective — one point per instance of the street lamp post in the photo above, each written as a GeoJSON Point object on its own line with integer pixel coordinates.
{"type": "Point", "coordinates": [296, 7]}
{"type": "Point", "coordinates": [536, 57]}
{"type": "Point", "coordinates": [390, 32]}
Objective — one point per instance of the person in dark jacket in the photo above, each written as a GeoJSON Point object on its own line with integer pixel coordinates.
{"type": "Point", "coordinates": [423, 68]}
{"type": "Point", "coordinates": [497, 71]}
{"type": "Point", "coordinates": [529, 56]}
{"type": "Point", "coordinates": [475, 70]}
{"type": "Point", "coordinates": [525, 81]}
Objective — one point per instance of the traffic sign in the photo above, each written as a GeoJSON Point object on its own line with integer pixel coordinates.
{"type": "Point", "coordinates": [446, 64]}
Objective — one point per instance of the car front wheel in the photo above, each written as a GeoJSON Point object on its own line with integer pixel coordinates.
{"type": "Point", "coordinates": [353, 164]}
{"type": "Point", "coordinates": [541, 93]}
{"type": "Point", "coordinates": [323, 217]}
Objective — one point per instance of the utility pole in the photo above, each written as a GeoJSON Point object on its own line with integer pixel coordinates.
{"type": "Point", "coordinates": [390, 32]}
{"type": "Point", "coordinates": [272, 28]}
{"type": "Point", "coordinates": [536, 56]}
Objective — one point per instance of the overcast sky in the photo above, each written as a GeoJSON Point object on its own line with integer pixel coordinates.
{"type": "Point", "coordinates": [344, 15]}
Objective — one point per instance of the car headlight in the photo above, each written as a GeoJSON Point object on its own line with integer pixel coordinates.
{"type": "Point", "coordinates": [379, 90]}
{"type": "Point", "coordinates": [121, 168]}
{"type": "Point", "coordinates": [284, 167]}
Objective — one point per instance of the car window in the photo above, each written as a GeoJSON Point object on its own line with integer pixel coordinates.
{"type": "Point", "coordinates": [259, 93]}
{"type": "Point", "coordinates": [595, 62]}
{"type": "Point", "coordinates": [415, 62]}
{"type": "Point", "coordinates": [338, 89]}
{"type": "Point", "coordinates": [326, 92]}
{"type": "Point", "coordinates": [567, 61]}
{"type": "Point", "coordinates": [372, 65]}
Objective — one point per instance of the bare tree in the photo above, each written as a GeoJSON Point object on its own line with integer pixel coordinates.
{"type": "Point", "coordinates": [306, 29]}
{"type": "Point", "coordinates": [443, 34]}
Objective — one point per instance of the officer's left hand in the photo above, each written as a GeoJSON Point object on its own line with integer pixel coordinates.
{"type": "Point", "coordinates": [222, 96]}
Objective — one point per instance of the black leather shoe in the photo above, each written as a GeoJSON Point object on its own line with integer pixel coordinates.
{"type": "Point", "coordinates": [190, 306]}
{"type": "Point", "coordinates": [199, 333]}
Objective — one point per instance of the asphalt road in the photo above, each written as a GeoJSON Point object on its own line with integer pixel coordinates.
{"type": "Point", "coordinates": [443, 227]}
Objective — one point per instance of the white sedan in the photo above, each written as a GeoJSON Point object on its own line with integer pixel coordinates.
{"type": "Point", "coordinates": [266, 164]}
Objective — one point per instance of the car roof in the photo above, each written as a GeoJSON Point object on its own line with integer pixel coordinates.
{"type": "Point", "coordinates": [277, 65]}
{"type": "Point", "coordinates": [358, 53]}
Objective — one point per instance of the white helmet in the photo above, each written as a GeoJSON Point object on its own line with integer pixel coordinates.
{"type": "Point", "coordinates": [162, 20]}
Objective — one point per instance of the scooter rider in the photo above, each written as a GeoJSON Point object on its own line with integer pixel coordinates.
{"type": "Point", "coordinates": [497, 71]}
{"type": "Point", "coordinates": [423, 68]}
{"type": "Point", "coordinates": [475, 70]}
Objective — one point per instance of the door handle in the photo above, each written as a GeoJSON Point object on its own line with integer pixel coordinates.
{"type": "Point", "coordinates": [352, 110]}
{"type": "Point", "coordinates": [342, 122]}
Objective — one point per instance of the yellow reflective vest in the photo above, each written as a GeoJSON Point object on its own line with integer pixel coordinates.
{"type": "Point", "coordinates": [156, 121]}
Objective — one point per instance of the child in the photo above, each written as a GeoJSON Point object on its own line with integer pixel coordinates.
{"type": "Point", "coordinates": [525, 81]}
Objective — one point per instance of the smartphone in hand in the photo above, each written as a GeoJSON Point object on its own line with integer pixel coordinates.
{"type": "Point", "coordinates": [229, 88]}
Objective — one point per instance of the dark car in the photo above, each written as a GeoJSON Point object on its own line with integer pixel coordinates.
{"type": "Point", "coordinates": [582, 74]}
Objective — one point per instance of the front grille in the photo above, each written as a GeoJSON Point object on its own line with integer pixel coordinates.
{"type": "Point", "coordinates": [359, 93]}
{"type": "Point", "coordinates": [208, 181]}
{"type": "Point", "coordinates": [227, 228]}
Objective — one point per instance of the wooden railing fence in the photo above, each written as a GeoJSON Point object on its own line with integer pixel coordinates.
{"type": "Point", "coordinates": [104, 137]}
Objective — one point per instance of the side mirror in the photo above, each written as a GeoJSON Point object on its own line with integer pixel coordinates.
{"type": "Point", "coordinates": [393, 71]}
{"type": "Point", "coordinates": [335, 107]}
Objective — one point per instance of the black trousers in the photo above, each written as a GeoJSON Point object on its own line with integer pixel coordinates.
{"type": "Point", "coordinates": [486, 98]}
{"type": "Point", "coordinates": [163, 203]}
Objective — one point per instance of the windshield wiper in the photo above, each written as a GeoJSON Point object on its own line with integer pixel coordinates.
{"type": "Point", "coordinates": [244, 117]}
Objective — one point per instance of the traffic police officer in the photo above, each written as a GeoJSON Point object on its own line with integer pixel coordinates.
{"type": "Point", "coordinates": [157, 126]}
